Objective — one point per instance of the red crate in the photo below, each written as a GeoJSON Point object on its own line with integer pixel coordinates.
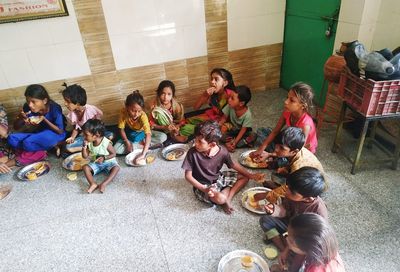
{"type": "Point", "coordinates": [369, 97]}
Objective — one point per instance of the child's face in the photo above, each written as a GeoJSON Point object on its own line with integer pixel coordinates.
{"type": "Point", "coordinates": [89, 137]}
{"type": "Point", "coordinates": [70, 106]}
{"type": "Point", "coordinates": [218, 82]}
{"type": "Point", "coordinates": [291, 244]}
{"type": "Point", "coordinates": [283, 151]}
{"type": "Point", "coordinates": [202, 145]}
{"type": "Point", "coordinates": [234, 101]}
{"type": "Point", "coordinates": [293, 103]}
{"type": "Point", "coordinates": [36, 105]}
{"type": "Point", "coordinates": [166, 96]}
{"type": "Point", "coordinates": [134, 111]}
{"type": "Point", "coordinates": [293, 196]}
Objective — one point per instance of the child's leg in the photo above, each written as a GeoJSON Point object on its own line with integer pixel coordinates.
{"type": "Point", "coordinates": [237, 186]}
{"type": "Point", "coordinates": [42, 140]}
{"type": "Point", "coordinates": [89, 176]}
{"type": "Point", "coordinates": [15, 140]}
{"type": "Point", "coordinates": [273, 228]}
{"type": "Point", "coordinates": [110, 177]}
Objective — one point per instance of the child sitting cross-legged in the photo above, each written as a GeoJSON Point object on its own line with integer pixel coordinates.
{"type": "Point", "coordinates": [303, 196]}
{"type": "Point", "coordinates": [236, 132]}
{"type": "Point", "coordinates": [202, 167]}
{"type": "Point", "coordinates": [101, 152]}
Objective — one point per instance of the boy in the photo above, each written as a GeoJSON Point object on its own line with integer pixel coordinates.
{"type": "Point", "coordinates": [102, 152]}
{"type": "Point", "coordinates": [240, 120]}
{"type": "Point", "coordinates": [304, 188]}
{"type": "Point", "coordinates": [202, 167]}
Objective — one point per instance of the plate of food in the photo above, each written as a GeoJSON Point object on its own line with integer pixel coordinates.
{"type": "Point", "coordinates": [75, 162]}
{"type": "Point", "coordinates": [250, 204]}
{"type": "Point", "coordinates": [130, 158]}
{"type": "Point", "coordinates": [175, 152]}
{"type": "Point", "coordinates": [247, 161]}
{"type": "Point", "coordinates": [242, 261]}
{"type": "Point", "coordinates": [35, 119]}
{"type": "Point", "coordinates": [33, 171]}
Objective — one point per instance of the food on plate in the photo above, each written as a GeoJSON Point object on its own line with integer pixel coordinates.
{"type": "Point", "coordinates": [249, 162]}
{"type": "Point", "coordinates": [35, 119]}
{"type": "Point", "coordinates": [251, 200]}
{"type": "Point", "coordinates": [140, 162]}
{"type": "Point", "coordinates": [175, 154]}
{"type": "Point", "coordinates": [150, 159]}
{"type": "Point", "coordinates": [40, 168]}
{"type": "Point", "coordinates": [72, 176]}
{"type": "Point", "coordinates": [31, 175]}
{"type": "Point", "coordinates": [271, 252]}
{"type": "Point", "coordinates": [247, 261]}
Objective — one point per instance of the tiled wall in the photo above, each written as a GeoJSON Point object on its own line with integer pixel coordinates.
{"type": "Point", "coordinates": [136, 44]}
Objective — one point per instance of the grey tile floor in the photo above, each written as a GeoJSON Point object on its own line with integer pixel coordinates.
{"type": "Point", "coordinates": [149, 220]}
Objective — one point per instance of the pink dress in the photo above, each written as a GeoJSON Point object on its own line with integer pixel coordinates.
{"type": "Point", "coordinates": [91, 112]}
{"type": "Point", "coordinates": [335, 265]}
{"type": "Point", "coordinates": [304, 120]}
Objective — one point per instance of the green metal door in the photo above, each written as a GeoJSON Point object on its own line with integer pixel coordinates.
{"type": "Point", "coordinates": [310, 27]}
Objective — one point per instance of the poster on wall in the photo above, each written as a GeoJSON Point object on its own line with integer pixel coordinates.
{"type": "Point", "coordinates": [22, 10]}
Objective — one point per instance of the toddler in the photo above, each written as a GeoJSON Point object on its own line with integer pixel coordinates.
{"type": "Point", "coordinates": [203, 165]}
{"type": "Point", "coordinates": [101, 153]}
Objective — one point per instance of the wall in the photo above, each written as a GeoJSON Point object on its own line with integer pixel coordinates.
{"type": "Point", "coordinates": [387, 32]}
{"type": "Point", "coordinates": [113, 49]}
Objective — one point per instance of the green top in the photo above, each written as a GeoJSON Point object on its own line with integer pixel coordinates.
{"type": "Point", "coordinates": [238, 122]}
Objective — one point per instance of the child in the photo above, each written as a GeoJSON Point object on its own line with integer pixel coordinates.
{"type": "Point", "coordinates": [221, 85]}
{"type": "Point", "coordinates": [289, 143]}
{"type": "Point", "coordinates": [295, 114]}
{"type": "Point", "coordinates": [79, 112]}
{"type": "Point", "coordinates": [134, 127]}
{"type": "Point", "coordinates": [4, 152]}
{"type": "Point", "coordinates": [102, 154]}
{"type": "Point", "coordinates": [311, 236]}
{"type": "Point", "coordinates": [167, 113]}
{"type": "Point", "coordinates": [239, 115]}
{"type": "Point", "coordinates": [304, 188]}
{"type": "Point", "coordinates": [48, 128]}
{"type": "Point", "coordinates": [202, 167]}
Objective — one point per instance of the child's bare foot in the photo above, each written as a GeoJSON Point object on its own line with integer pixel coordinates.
{"type": "Point", "coordinates": [102, 188]}
{"type": "Point", "coordinates": [92, 188]}
{"type": "Point", "coordinates": [228, 208]}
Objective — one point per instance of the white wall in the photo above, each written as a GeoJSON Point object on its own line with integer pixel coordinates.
{"type": "Point", "coordinates": [254, 23]}
{"type": "Point", "coordinates": [155, 31]}
{"type": "Point", "coordinates": [41, 50]}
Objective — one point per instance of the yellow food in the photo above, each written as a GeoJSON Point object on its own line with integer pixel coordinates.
{"type": "Point", "coordinates": [40, 168]}
{"type": "Point", "coordinates": [271, 252]}
{"type": "Point", "coordinates": [31, 175]}
{"type": "Point", "coordinates": [35, 119]}
{"type": "Point", "coordinates": [150, 159]}
{"type": "Point", "coordinates": [171, 156]}
{"type": "Point", "coordinates": [72, 176]}
{"type": "Point", "coordinates": [247, 261]}
{"type": "Point", "coordinates": [251, 201]}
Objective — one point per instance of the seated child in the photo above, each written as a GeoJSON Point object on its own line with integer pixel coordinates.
{"type": "Point", "coordinates": [101, 152]}
{"type": "Point", "coordinates": [290, 144]}
{"type": "Point", "coordinates": [79, 112]}
{"type": "Point", "coordinates": [240, 120]}
{"type": "Point", "coordinates": [296, 114]}
{"type": "Point", "coordinates": [311, 236]}
{"type": "Point", "coordinates": [202, 167]}
{"type": "Point", "coordinates": [166, 113]}
{"type": "Point", "coordinates": [134, 127]}
{"type": "Point", "coordinates": [221, 85]}
{"type": "Point", "coordinates": [304, 188]}
{"type": "Point", "coordinates": [44, 117]}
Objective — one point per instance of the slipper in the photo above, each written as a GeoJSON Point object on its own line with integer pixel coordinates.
{"type": "Point", "coordinates": [4, 191]}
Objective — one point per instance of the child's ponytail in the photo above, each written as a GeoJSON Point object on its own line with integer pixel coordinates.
{"type": "Point", "coordinates": [134, 98]}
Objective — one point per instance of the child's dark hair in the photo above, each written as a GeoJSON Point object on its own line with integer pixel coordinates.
{"type": "Point", "coordinates": [209, 130]}
{"type": "Point", "coordinates": [95, 127]}
{"type": "Point", "coordinates": [306, 181]}
{"type": "Point", "coordinates": [292, 137]}
{"type": "Point", "coordinates": [165, 84]}
{"type": "Point", "coordinates": [134, 98]}
{"type": "Point", "coordinates": [75, 93]}
{"type": "Point", "coordinates": [305, 94]}
{"type": "Point", "coordinates": [225, 74]}
{"type": "Point", "coordinates": [244, 93]}
{"type": "Point", "coordinates": [313, 235]}
{"type": "Point", "coordinates": [37, 91]}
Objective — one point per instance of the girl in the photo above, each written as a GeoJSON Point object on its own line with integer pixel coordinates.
{"type": "Point", "coordinates": [79, 112]}
{"type": "Point", "coordinates": [221, 85]}
{"type": "Point", "coordinates": [100, 149]}
{"type": "Point", "coordinates": [167, 113]}
{"type": "Point", "coordinates": [310, 236]}
{"type": "Point", "coordinates": [134, 126]}
{"type": "Point", "coordinates": [44, 117]}
{"type": "Point", "coordinates": [296, 114]}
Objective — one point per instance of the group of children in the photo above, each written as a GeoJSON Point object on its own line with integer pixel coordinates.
{"type": "Point", "coordinates": [310, 245]}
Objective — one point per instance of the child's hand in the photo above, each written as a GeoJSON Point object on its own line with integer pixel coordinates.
{"type": "Point", "coordinates": [100, 159]}
{"type": "Point", "coordinates": [70, 140]}
{"type": "Point", "coordinates": [211, 90]}
{"type": "Point", "coordinates": [258, 177]}
{"type": "Point", "coordinates": [231, 146]}
{"type": "Point", "coordinates": [256, 154]}
{"type": "Point", "coordinates": [283, 259]}
{"type": "Point", "coordinates": [262, 157]}
{"type": "Point", "coordinates": [138, 158]}
{"type": "Point", "coordinates": [269, 208]}
{"type": "Point", "coordinates": [4, 168]}
{"type": "Point", "coordinates": [212, 191]}
{"type": "Point", "coordinates": [128, 146]}
{"type": "Point", "coordinates": [85, 144]}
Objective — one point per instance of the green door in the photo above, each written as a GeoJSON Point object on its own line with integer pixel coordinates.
{"type": "Point", "coordinates": [310, 27]}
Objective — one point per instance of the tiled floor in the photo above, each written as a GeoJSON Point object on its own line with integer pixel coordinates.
{"type": "Point", "coordinates": [148, 219]}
